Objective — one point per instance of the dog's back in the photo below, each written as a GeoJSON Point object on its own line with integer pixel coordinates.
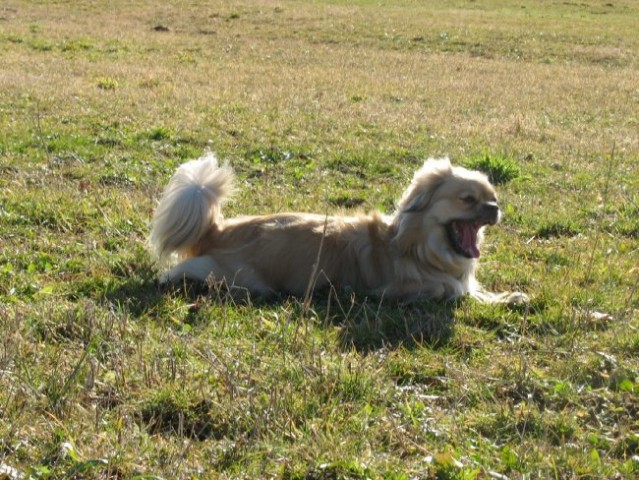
{"type": "Point", "coordinates": [289, 252]}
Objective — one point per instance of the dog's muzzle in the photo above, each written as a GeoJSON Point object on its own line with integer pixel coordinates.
{"type": "Point", "coordinates": [490, 213]}
{"type": "Point", "coordinates": [463, 235]}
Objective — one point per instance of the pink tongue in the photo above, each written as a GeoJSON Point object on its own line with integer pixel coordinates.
{"type": "Point", "coordinates": [468, 240]}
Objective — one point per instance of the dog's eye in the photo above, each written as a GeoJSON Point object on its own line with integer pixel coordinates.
{"type": "Point", "coordinates": [469, 199]}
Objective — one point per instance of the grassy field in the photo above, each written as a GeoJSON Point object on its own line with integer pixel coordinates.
{"type": "Point", "coordinates": [320, 106]}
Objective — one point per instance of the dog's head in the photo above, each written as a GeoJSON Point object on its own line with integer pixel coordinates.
{"type": "Point", "coordinates": [444, 211]}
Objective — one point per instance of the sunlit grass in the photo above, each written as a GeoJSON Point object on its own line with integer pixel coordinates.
{"type": "Point", "coordinates": [324, 107]}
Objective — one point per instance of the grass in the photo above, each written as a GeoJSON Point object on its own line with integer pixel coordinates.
{"type": "Point", "coordinates": [320, 106]}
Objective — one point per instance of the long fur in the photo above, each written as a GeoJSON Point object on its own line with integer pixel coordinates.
{"type": "Point", "coordinates": [190, 205]}
{"type": "Point", "coordinates": [402, 256]}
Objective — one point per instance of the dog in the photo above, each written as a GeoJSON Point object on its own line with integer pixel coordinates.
{"type": "Point", "coordinates": [428, 248]}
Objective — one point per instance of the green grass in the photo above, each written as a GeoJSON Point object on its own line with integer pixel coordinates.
{"type": "Point", "coordinates": [320, 106]}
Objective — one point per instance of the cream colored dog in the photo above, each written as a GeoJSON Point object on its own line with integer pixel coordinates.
{"type": "Point", "coordinates": [428, 248]}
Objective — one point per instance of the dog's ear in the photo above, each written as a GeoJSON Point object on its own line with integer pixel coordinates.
{"type": "Point", "coordinates": [418, 202]}
{"type": "Point", "coordinates": [425, 183]}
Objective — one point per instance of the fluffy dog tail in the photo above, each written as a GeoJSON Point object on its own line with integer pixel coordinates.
{"type": "Point", "coordinates": [190, 205]}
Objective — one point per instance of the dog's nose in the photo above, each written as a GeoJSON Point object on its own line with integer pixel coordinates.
{"type": "Point", "coordinates": [491, 212]}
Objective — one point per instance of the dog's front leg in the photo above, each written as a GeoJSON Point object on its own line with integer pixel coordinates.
{"type": "Point", "coordinates": [505, 298]}
{"type": "Point", "coordinates": [408, 292]}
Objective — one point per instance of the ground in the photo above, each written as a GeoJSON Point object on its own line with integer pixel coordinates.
{"type": "Point", "coordinates": [322, 106]}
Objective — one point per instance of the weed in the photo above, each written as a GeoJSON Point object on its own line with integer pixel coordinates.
{"type": "Point", "coordinates": [107, 83]}
{"type": "Point", "coordinates": [499, 168]}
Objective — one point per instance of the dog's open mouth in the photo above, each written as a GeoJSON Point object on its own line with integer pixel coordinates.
{"type": "Point", "coordinates": [463, 237]}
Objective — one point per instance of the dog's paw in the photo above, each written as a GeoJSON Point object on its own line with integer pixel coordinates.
{"type": "Point", "coordinates": [163, 279]}
{"type": "Point", "coordinates": [510, 299]}
{"type": "Point", "coordinates": [515, 299]}
{"type": "Point", "coordinates": [163, 283]}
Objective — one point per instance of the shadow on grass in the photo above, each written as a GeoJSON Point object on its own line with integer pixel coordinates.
{"type": "Point", "coordinates": [139, 294]}
{"type": "Point", "coordinates": [366, 323]}
{"type": "Point", "coordinates": [370, 323]}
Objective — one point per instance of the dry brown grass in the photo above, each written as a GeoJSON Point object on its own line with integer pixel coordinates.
{"type": "Point", "coordinates": [318, 105]}
{"type": "Point", "coordinates": [297, 70]}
